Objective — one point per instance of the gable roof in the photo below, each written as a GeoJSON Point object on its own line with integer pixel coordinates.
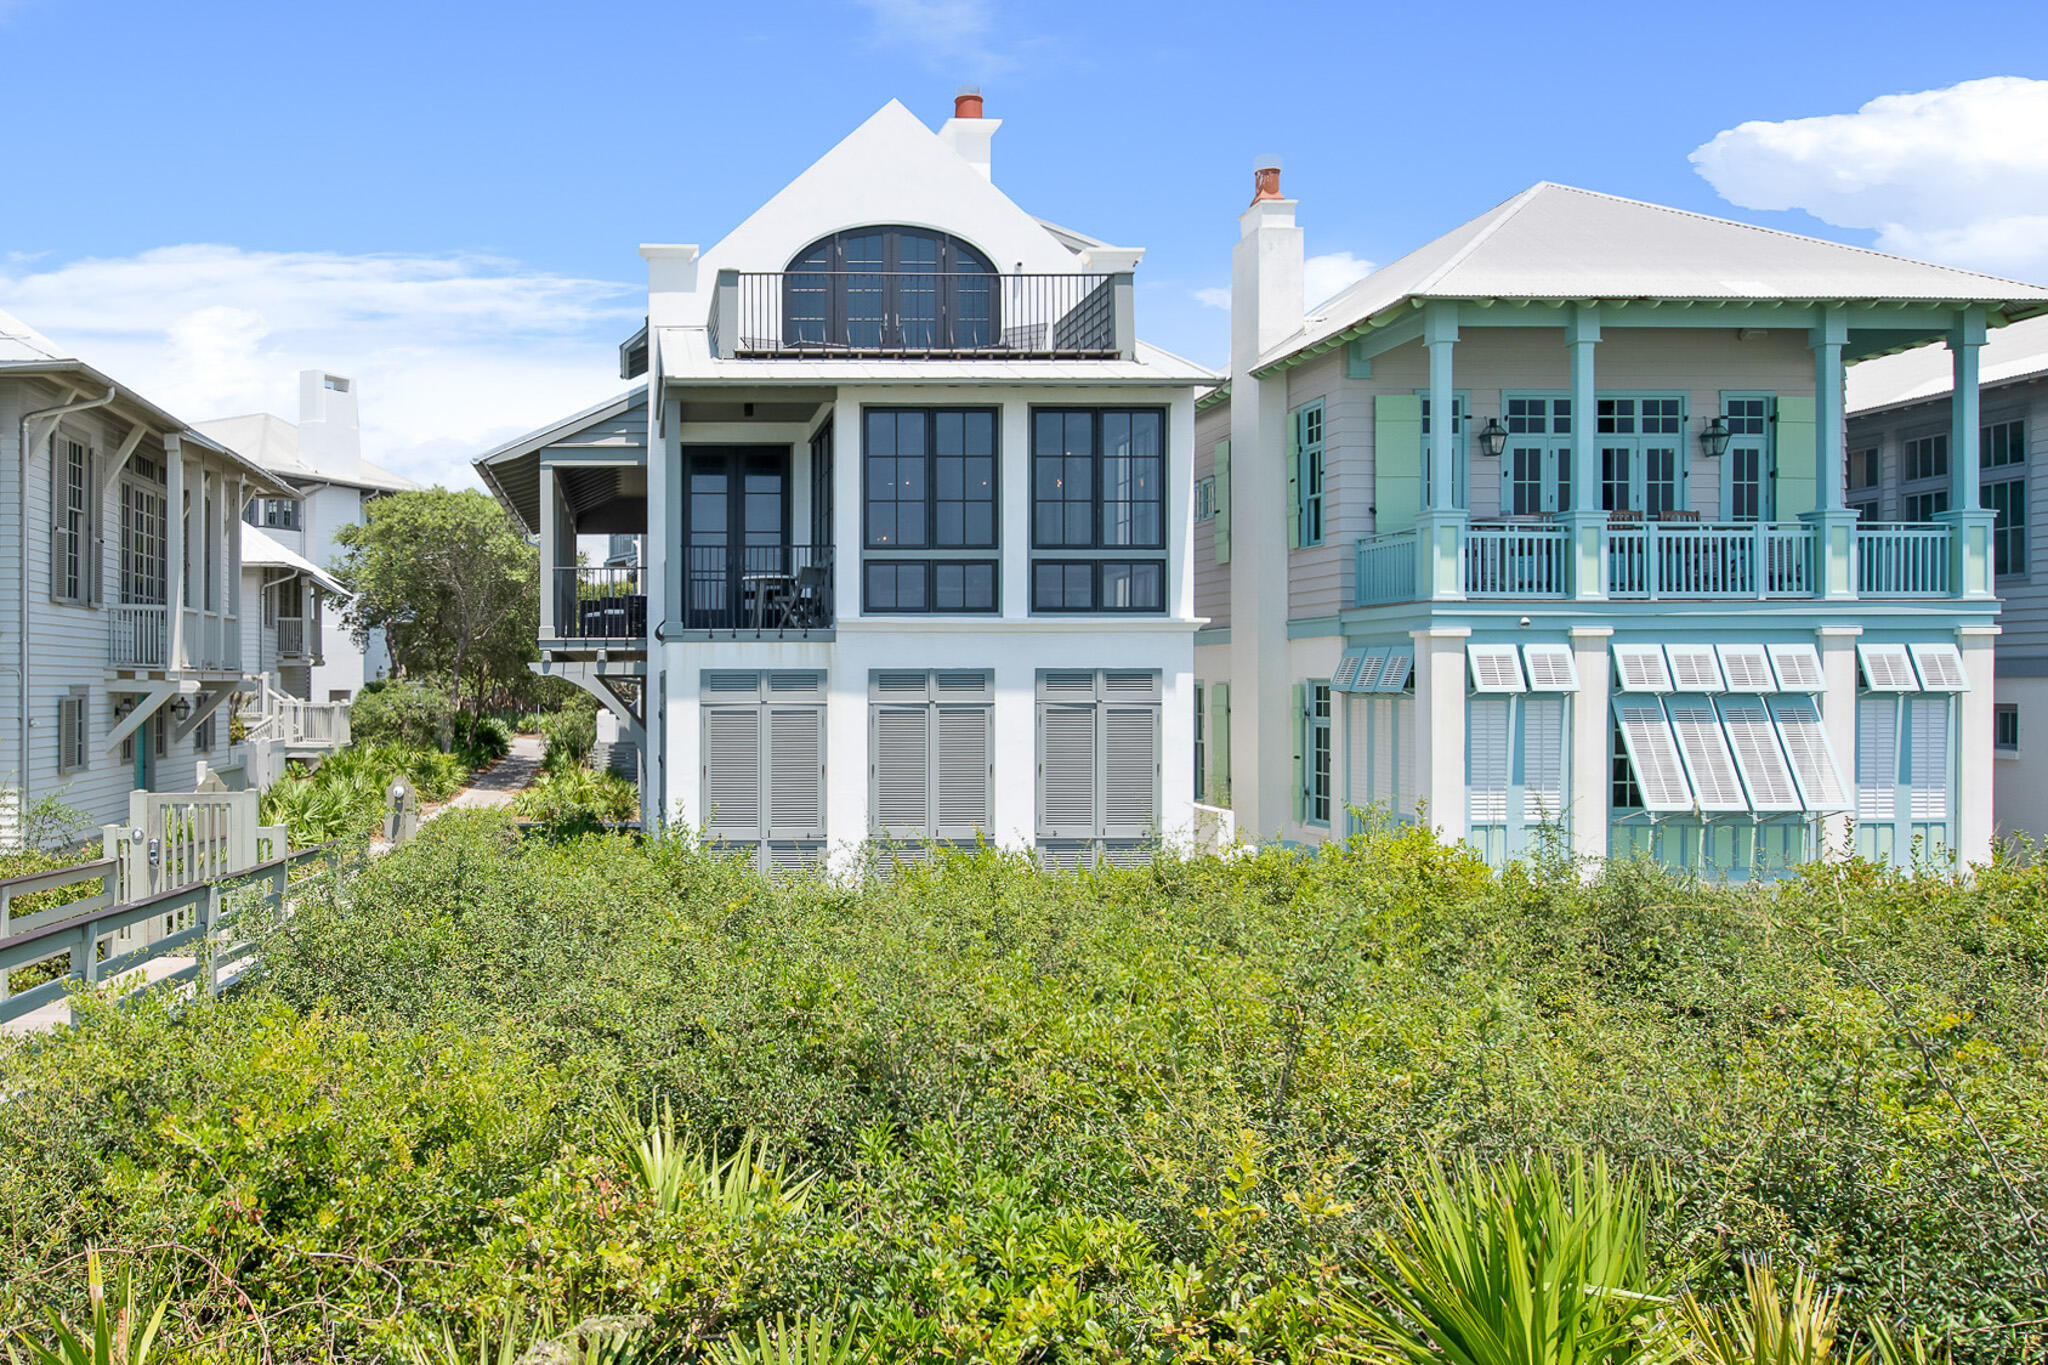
{"type": "Point", "coordinates": [272, 442]}
{"type": "Point", "coordinates": [2010, 355]}
{"type": "Point", "coordinates": [512, 470]}
{"type": "Point", "coordinates": [262, 551]}
{"type": "Point", "coordinates": [1554, 242]}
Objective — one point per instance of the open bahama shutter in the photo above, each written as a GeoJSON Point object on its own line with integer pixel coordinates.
{"type": "Point", "coordinates": [1652, 753]}
{"type": "Point", "coordinates": [1697, 727]}
{"type": "Point", "coordinates": [1758, 757]}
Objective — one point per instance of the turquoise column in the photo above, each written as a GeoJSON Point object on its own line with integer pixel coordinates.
{"type": "Point", "coordinates": [1834, 525]}
{"type": "Point", "coordinates": [1586, 522]}
{"type": "Point", "coordinates": [1440, 528]}
{"type": "Point", "coordinates": [1969, 525]}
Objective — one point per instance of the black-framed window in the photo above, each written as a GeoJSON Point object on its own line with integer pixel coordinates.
{"type": "Point", "coordinates": [891, 288]}
{"type": "Point", "coordinates": [929, 585]}
{"type": "Point", "coordinates": [1109, 585]}
{"type": "Point", "coordinates": [1098, 480]}
{"type": "Point", "coordinates": [929, 479]}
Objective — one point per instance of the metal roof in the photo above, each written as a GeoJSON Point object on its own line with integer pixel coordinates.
{"type": "Point", "coordinates": [512, 470]}
{"type": "Point", "coordinates": [2011, 354]}
{"type": "Point", "coordinates": [260, 551]}
{"type": "Point", "coordinates": [686, 358]}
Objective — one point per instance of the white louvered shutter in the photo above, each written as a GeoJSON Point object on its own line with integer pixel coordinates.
{"type": "Point", "coordinates": [1694, 668]}
{"type": "Point", "coordinates": [1929, 784]}
{"type": "Point", "coordinates": [1371, 664]}
{"type": "Point", "coordinates": [1551, 668]}
{"type": "Point", "coordinates": [1646, 737]}
{"type": "Point", "coordinates": [1798, 668]}
{"type": "Point", "coordinates": [1487, 765]}
{"type": "Point", "coordinates": [1066, 771]}
{"type": "Point", "coordinates": [1877, 759]}
{"type": "Point", "coordinates": [1805, 739]}
{"type": "Point", "coordinates": [1407, 795]}
{"type": "Point", "coordinates": [1358, 789]}
{"type": "Point", "coordinates": [1754, 740]}
{"type": "Point", "coordinates": [1887, 669]}
{"type": "Point", "coordinates": [901, 785]}
{"type": "Point", "coordinates": [964, 797]}
{"type": "Point", "coordinates": [1495, 668]}
{"type": "Point", "coordinates": [1697, 727]}
{"type": "Point", "coordinates": [1941, 668]}
{"type": "Point", "coordinates": [732, 772]}
{"type": "Point", "coordinates": [796, 772]}
{"type": "Point", "coordinates": [1347, 670]}
{"type": "Point", "coordinates": [1130, 771]}
{"type": "Point", "coordinates": [1542, 759]}
{"type": "Point", "coordinates": [1399, 668]}
{"type": "Point", "coordinates": [1747, 668]}
{"type": "Point", "coordinates": [1640, 668]}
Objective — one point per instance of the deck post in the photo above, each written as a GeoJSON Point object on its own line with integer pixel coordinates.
{"type": "Point", "coordinates": [1439, 527]}
{"type": "Point", "coordinates": [1586, 523]}
{"type": "Point", "coordinates": [1969, 525]}
{"type": "Point", "coordinates": [1834, 525]}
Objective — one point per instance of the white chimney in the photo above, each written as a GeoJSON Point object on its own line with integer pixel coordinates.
{"type": "Point", "coordinates": [330, 439]}
{"type": "Point", "coordinates": [968, 133]}
{"type": "Point", "coordinates": [1265, 271]}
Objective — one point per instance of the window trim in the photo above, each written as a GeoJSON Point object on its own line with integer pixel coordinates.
{"type": "Point", "coordinates": [74, 730]}
{"type": "Point", "coordinates": [84, 543]}
{"type": "Point", "coordinates": [1318, 716]}
{"type": "Point", "coordinates": [1096, 415]}
{"type": "Point", "coordinates": [1096, 565]}
{"type": "Point", "coordinates": [2000, 712]}
{"type": "Point", "coordinates": [931, 568]}
{"type": "Point", "coordinates": [2011, 473]}
{"type": "Point", "coordinates": [1767, 459]}
{"type": "Point", "coordinates": [1311, 472]}
{"type": "Point", "coordinates": [930, 554]}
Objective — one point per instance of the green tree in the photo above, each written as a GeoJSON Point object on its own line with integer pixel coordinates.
{"type": "Point", "coordinates": [452, 583]}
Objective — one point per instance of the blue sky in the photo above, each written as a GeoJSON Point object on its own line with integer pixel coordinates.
{"type": "Point", "coordinates": [446, 198]}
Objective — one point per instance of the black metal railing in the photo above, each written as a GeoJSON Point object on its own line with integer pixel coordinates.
{"type": "Point", "coordinates": [600, 604]}
{"type": "Point", "coordinates": [917, 314]}
{"type": "Point", "coordinates": [757, 589]}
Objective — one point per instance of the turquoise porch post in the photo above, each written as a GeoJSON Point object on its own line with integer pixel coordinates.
{"type": "Point", "coordinates": [1440, 527]}
{"type": "Point", "coordinates": [1586, 522]}
{"type": "Point", "coordinates": [1834, 525]}
{"type": "Point", "coordinates": [1969, 525]}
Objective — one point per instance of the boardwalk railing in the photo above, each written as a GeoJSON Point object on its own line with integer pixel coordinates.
{"type": "Point", "coordinates": [1902, 560]}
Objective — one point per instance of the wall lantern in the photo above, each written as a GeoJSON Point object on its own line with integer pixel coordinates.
{"type": "Point", "coordinates": [123, 707]}
{"type": "Point", "coordinates": [181, 708]}
{"type": "Point", "coordinates": [1714, 438]}
{"type": "Point", "coordinates": [1493, 438]}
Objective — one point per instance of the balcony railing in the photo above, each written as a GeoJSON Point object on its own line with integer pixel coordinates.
{"type": "Point", "coordinates": [1734, 559]}
{"type": "Point", "coordinates": [213, 642]}
{"type": "Point", "coordinates": [758, 590]}
{"type": "Point", "coordinates": [1515, 561]}
{"type": "Point", "coordinates": [1385, 571]}
{"type": "Point", "coordinates": [1902, 560]}
{"type": "Point", "coordinates": [138, 634]}
{"type": "Point", "coordinates": [607, 603]}
{"type": "Point", "coordinates": [291, 636]}
{"type": "Point", "coordinates": [816, 314]}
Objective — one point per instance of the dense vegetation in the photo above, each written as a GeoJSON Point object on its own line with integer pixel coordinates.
{"type": "Point", "coordinates": [973, 1112]}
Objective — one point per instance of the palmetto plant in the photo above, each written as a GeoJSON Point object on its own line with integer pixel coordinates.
{"type": "Point", "coordinates": [113, 1337]}
{"type": "Point", "coordinates": [1513, 1264]}
{"type": "Point", "coordinates": [595, 1341]}
{"type": "Point", "coordinates": [674, 1170]}
{"type": "Point", "coordinates": [1763, 1326]}
{"type": "Point", "coordinates": [806, 1341]}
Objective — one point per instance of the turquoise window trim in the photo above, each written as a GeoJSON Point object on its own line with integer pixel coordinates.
{"type": "Point", "coordinates": [1461, 465]}
{"type": "Point", "coordinates": [1318, 755]}
{"type": "Point", "coordinates": [1311, 438]}
{"type": "Point", "coordinates": [1557, 447]}
{"type": "Point", "coordinates": [1635, 442]}
{"type": "Point", "coordinates": [1768, 455]}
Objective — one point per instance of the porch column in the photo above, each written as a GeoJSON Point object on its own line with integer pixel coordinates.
{"type": "Point", "coordinates": [1838, 718]}
{"type": "Point", "coordinates": [1969, 526]}
{"type": "Point", "coordinates": [1976, 708]}
{"type": "Point", "coordinates": [548, 575]}
{"type": "Point", "coordinates": [1834, 525]}
{"type": "Point", "coordinates": [174, 553]}
{"type": "Point", "coordinates": [1586, 523]}
{"type": "Point", "coordinates": [1440, 526]}
{"type": "Point", "coordinates": [1440, 728]}
{"type": "Point", "coordinates": [1591, 734]}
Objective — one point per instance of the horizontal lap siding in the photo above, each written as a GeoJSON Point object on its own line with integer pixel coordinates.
{"type": "Point", "coordinates": [1212, 580]}
{"type": "Point", "coordinates": [1319, 577]}
{"type": "Point", "coordinates": [629, 427]}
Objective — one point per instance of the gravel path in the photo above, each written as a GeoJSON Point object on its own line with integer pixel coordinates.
{"type": "Point", "coordinates": [503, 780]}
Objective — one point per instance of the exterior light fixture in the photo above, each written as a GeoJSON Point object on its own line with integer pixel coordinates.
{"type": "Point", "coordinates": [123, 707]}
{"type": "Point", "coordinates": [1714, 438]}
{"type": "Point", "coordinates": [181, 708]}
{"type": "Point", "coordinates": [1493, 438]}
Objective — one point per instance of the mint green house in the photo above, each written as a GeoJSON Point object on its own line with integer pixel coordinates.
{"type": "Point", "coordinates": [1539, 534]}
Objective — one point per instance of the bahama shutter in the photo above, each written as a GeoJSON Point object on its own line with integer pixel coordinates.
{"type": "Point", "coordinates": [1704, 747]}
{"type": "Point", "coordinates": [1877, 759]}
{"type": "Point", "coordinates": [1887, 668]}
{"type": "Point", "coordinates": [1652, 753]}
{"type": "Point", "coordinates": [1928, 782]}
{"type": "Point", "coordinates": [1222, 520]}
{"type": "Point", "coordinates": [1941, 668]}
{"type": "Point", "coordinates": [1694, 668]}
{"type": "Point", "coordinates": [1495, 668]}
{"type": "Point", "coordinates": [1641, 668]}
{"type": "Point", "coordinates": [796, 772]}
{"type": "Point", "coordinates": [1551, 668]}
{"type": "Point", "coordinates": [1396, 462]}
{"type": "Point", "coordinates": [732, 772]}
{"type": "Point", "coordinates": [1798, 668]}
{"type": "Point", "coordinates": [1814, 769]}
{"type": "Point", "coordinates": [1754, 740]}
{"type": "Point", "coordinates": [1486, 760]}
{"type": "Point", "coordinates": [899, 784]}
{"type": "Point", "coordinates": [1747, 668]}
{"type": "Point", "coordinates": [1795, 464]}
{"type": "Point", "coordinates": [1542, 759]}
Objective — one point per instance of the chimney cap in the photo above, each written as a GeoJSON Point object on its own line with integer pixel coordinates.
{"type": "Point", "coordinates": [967, 102]}
{"type": "Point", "coordinates": [1266, 179]}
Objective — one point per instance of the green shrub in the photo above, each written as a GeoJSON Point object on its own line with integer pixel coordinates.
{"type": "Point", "coordinates": [482, 740]}
{"type": "Point", "coordinates": [571, 801]}
{"type": "Point", "coordinates": [570, 736]}
{"type": "Point", "coordinates": [347, 795]}
{"type": "Point", "coordinates": [397, 711]}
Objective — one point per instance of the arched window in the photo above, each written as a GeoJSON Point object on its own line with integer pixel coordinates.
{"type": "Point", "coordinates": [890, 289]}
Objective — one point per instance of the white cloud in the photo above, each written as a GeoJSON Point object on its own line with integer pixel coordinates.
{"type": "Point", "coordinates": [452, 354]}
{"type": "Point", "coordinates": [954, 34]}
{"type": "Point", "coordinates": [1959, 175]}
{"type": "Point", "coordinates": [1322, 278]}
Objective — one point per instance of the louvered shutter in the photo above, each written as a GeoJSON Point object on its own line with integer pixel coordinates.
{"type": "Point", "coordinates": [1396, 462]}
{"type": "Point", "coordinates": [1300, 745]}
{"type": "Point", "coordinates": [1551, 668]}
{"type": "Point", "coordinates": [1347, 670]}
{"type": "Point", "coordinates": [1941, 668]}
{"type": "Point", "coordinates": [1814, 768]}
{"type": "Point", "coordinates": [1798, 668]}
{"type": "Point", "coordinates": [1694, 668]}
{"type": "Point", "coordinates": [1398, 669]}
{"type": "Point", "coordinates": [1746, 668]}
{"type": "Point", "coordinates": [1359, 751]}
{"type": "Point", "coordinates": [796, 772]}
{"type": "Point", "coordinates": [1929, 780]}
{"type": "Point", "coordinates": [1486, 760]}
{"type": "Point", "coordinates": [900, 786]}
{"type": "Point", "coordinates": [1371, 664]}
{"type": "Point", "coordinates": [1754, 740]}
{"type": "Point", "coordinates": [964, 740]}
{"type": "Point", "coordinates": [1877, 759]}
{"type": "Point", "coordinates": [1542, 759]}
{"type": "Point", "coordinates": [1652, 753]}
{"type": "Point", "coordinates": [1640, 668]}
{"type": "Point", "coordinates": [1066, 770]}
{"type": "Point", "coordinates": [732, 772]}
{"type": "Point", "coordinates": [1130, 771]}
{"type": "Point", "coordinates": [1407, 795]}
{"type": "Point", "coordinates": [1219, 739]}
{"type": "Point", "coordinates": [1294, 481]}
{"type": "Point", "coordinates": [1495, 668]}
{"type": "Point", "coordinates": [1221, 525]}
{"type": "Point", "coordinates": [1697, 728]}
{"type": "Point", "coordinates": [1886, 668]}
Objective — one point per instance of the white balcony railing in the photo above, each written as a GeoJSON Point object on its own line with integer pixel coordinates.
{"type": "Point", "coordinates": [291, 637]}
{"type": "Point", "coordinates": [138, 635]}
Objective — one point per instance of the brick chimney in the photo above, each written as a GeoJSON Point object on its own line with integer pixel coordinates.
{"type": "Point", "coordinates": [968, 132]}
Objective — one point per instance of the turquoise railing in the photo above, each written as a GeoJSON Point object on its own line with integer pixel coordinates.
{"type": "Point", "coordinates": [1901, 559]}
{"type": "Point", "coordinates": [1514, 561]}
{"type": "Point", "coordinates": [1730, 559]}
{"type": "Point", "coordinates": [1385, 569]}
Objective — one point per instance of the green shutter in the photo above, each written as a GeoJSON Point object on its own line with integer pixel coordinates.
{"type": "Point", "coordinates": [1219, 743]}
{"type": "Point", "coordinates": [1796, 483]}
{"type": "Point", "coordinates": [1300, 745]}
{"type": "Point", "coordinates": [1294, 481]}
{"type": "Point", "coordinates": [1222, 521]}
{"type": "Point", "coordinates": [1397, 461]}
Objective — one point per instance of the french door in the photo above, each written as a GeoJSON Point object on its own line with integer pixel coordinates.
{"type": "Point", "coordinates": [1639, 475]}
{"type": "Point", "coordinates": [736, 531]}
{"type": "Point", "coordinates": [1539, 476]}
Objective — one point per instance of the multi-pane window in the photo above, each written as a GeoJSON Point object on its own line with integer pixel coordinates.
{"type": "Point", "coordinates": [1315, 749]}
{"type": "Point", "coordinates": [2003, 443]}
{"type": "Point", "coordinates": [1748, 457]}
{"type": "Point", "coordinates": [1925, 506]}
{"type": "Point", "coordinates": [143, 535]}
{"type": "Point", "coordinates": [1536, 466]}
{"type": "Point", "coordinates": [1201, 744]}
{"type": "Point", "coordinates": [1927, 458]}
{"type": "Point", "coordinates": [1864, 477]}
{"type": "Point", "coordinates": [2005, 727]}
{"type": "Point", "coordinates": [72, 528]}
{"type": "Point", "coordinates": [889, 289]}
{"type": "Point", "coordinates": [1309, 501]}
{"type": "Point", "coordinates": [1098, 484]}
{"type": "Point", "coordinates": [1641, 443]}
{"type": "Point", "coordinates": [929, 485]}
{"type": "Point", "coordinates": [280, 514]}
{"type": "Point", "coordinates": [2003, 451]}
{"type": "Point", "coordinates": [1460, 408]}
